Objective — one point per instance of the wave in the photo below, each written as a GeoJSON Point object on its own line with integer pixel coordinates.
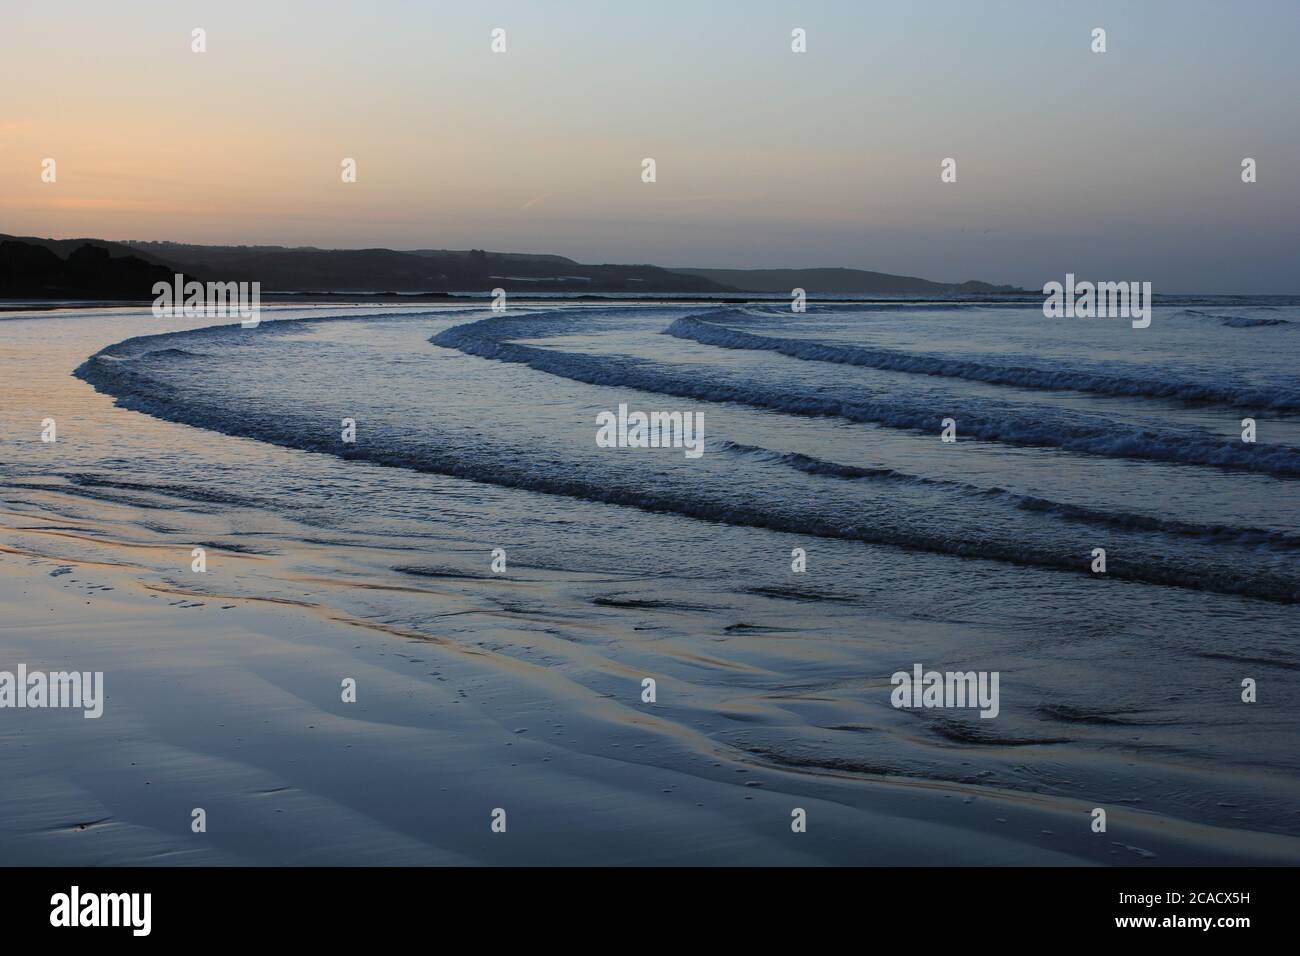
{"type": "Point", "coordinates": [801, 595]}
{"type": "Point", "coordinates": [1022, 376]}
{"type": "Point", "coordinates": [1067, 714]}
{"type": "Point", "coordinates": [1290, 665]}
{"type": "Point", "coordinates": [170, 353]}
{"type": "Point", "coordinates": [143, 387]}
{"type": "Point", "coordinates": [1233, 321]}
{"type": "Point", "coordinates": [1137, 522]}
{"type": "Point", "coordinates": [488, 338]}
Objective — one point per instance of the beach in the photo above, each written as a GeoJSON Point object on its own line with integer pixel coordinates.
{"type": "Point", "coordinates": [521, 689]}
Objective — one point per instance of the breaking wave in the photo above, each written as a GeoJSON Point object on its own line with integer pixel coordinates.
{"type": "Point", "coordinates": [1022, 376]}
{"type": "Point", "coordinates": [490, 338]}
{"type": "Point", "coordinates": [936, 515]}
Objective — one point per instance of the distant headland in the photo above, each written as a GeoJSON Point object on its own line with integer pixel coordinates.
{"type": "Point", "coordinates": [35, 268]}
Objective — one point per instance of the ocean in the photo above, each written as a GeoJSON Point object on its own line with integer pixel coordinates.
{"type": "Point", "coordinates": [826, 538]}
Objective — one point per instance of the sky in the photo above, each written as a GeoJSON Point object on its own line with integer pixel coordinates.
{"type": "Point", "coordinates": [1123, 165]}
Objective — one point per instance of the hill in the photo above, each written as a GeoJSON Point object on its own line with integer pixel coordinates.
{"type": "Point", "coordinates": [307, 269]}
{"type": "Point", "coordinates": [96, 268]}
{"type": "Point", "coordinates": [30, 270]}
{"type": "Point", "coordinates": [844, 281]}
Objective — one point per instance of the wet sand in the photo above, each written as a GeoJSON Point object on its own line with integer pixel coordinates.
{"type": "Point", "coordinates": [235, 706]}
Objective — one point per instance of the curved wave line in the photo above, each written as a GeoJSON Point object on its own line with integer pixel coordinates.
{"type": "Point", "coordinates": [1045, 379]}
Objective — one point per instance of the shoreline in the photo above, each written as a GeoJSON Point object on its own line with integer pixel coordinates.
{"type": "Point", "coordinates": [303, 299]}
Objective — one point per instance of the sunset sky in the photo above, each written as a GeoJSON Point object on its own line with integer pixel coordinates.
{"type": "Point", "coordinates": [1123, 165]}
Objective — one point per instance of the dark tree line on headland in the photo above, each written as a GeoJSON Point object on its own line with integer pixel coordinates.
{"type": "Point", "coordinates": [35, 272]}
